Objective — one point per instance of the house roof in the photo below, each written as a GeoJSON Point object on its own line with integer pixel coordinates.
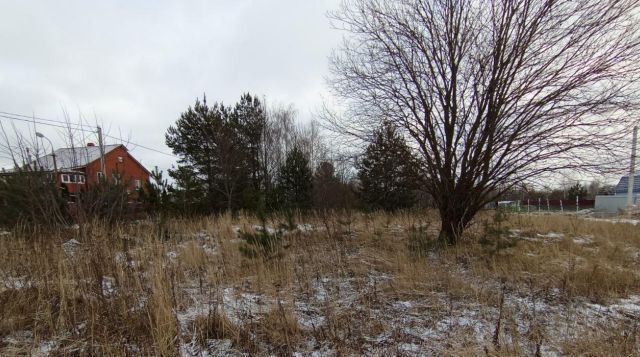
{"type": "Point", "coordinates": [69, 158]}
{"type": "Point", "coordinates": [623, 184]}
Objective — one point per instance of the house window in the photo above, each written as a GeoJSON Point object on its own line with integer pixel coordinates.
{"type": "Point", "coordinates": [80, 179]}
{"type": "Point", "coordinates": [120, 159]}
{"type": "Point", "coordinates": [73, 178]}
{"type": "Point", "coordinates": [138, 184]}
{"type": "Point", "coordinates": [116, 178]}
{"type": "Point", "coordinates": [100, 176]}
{"type": "Point", "coordinates": [65, 178]}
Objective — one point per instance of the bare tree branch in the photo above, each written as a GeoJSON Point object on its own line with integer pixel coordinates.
{"type": "Point", "coordinates": [493, 93]}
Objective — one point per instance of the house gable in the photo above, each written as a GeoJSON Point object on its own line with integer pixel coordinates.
{"type": "Point", "coordinates": [119, 165]}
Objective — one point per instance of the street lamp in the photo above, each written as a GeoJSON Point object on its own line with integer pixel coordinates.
{"type": "Point", "coordinates": [53, 153]}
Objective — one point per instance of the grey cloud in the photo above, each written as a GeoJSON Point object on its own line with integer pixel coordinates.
{"type": "Point", "coordinates": [138, 64]}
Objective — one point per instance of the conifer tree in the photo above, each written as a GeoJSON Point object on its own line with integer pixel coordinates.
{"type": "Point", "coordinates": [577, 190]}
{"type": "Point", "coordinates": [328, 191]}
{"type": "Point", "coordinates": [249, 121]}
{"type": "Point", "coordinates": [187, 191]}
{"type": "Point", "coordinates": [295, 181]}
{"type": "Point", "coordinates": [220, 146]}
{"type": "Point", "coordinates": [388, 171]}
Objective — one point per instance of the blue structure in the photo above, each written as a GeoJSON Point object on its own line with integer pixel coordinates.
{"type": "Point", "coordinates": [623, 184]}
{"type": "Point", "coordinates": [617, 202]}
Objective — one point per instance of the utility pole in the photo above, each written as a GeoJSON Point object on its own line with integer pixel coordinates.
{"type": "Point", "coordinates": [101, 147]}
{"type": "Point", "coordinates": [632, 169]}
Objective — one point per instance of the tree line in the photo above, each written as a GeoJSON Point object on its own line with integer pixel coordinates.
{"type": "Point", "coordinates": [250, 157]}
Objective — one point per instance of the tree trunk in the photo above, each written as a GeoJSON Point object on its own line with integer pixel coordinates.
{"type": "Point", "coordinates": [454, 219]}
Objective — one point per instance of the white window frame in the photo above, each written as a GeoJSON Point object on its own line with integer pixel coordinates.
{"type": "Point", "coordinates": [138, 184]}
{"type": "Point", "coordinates": [80, 179]}
{"type": "Point", "coordinates": [65, 178]}
{"type": "Point", "coordinates": [100, 176]}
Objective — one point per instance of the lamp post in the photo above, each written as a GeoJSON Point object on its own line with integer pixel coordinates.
{"type": "Point", "coordinates": [53, 154]}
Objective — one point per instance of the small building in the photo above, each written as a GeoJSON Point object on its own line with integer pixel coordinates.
{"type": "Point", "coordinates": [78, 168]}
{"type": "Point", "coordinates": [618, 201]}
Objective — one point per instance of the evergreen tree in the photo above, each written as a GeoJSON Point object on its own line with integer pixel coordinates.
{"type": "Point", "coordinates": [295, 181]}
{"type": "Point", "coordinates": [187, 191]}
{"type": "Point", "coordinates": [195, 139]}
{"type": "Point", "coordinates": [220, 146]}
{"type": "Point", "coordinates": [388, 171]}
{"type": "Point", "coordinates": [577, 190]}
{"type": "Point", "coordinates": [249, 121]}
{"type": "Point", "coordinates": [327, 188]}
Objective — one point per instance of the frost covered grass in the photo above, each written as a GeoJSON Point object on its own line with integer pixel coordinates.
{"type": "Point", "coordinates": [335, 284]}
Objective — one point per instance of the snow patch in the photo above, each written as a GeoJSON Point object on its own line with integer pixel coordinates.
{"type": "Point", "coordinates": [583, 240]}
{"type": "Point", "coordinates": [71, 246]}
{"type": "Point", "coordinates": [108, 286]}
{"type": "Point", "coordinates": [616, 220]}
{"type": "Point", "coordinates": [551, 235]}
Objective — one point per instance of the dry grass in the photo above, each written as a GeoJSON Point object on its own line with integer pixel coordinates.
{"type": "Point", "coordinates": [338, 284]}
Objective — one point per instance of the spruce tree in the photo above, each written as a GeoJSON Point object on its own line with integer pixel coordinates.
{"type": "Point", "coordinates": [327, 188]}
{"type": "Point", "coordinates": [187, 190]}
{"type": "Point", "coordinates": [295, 181]}
{"type": "Point", "coordinates": [388, 171]}
{"type": "Point", "coordinates": [249, 121]}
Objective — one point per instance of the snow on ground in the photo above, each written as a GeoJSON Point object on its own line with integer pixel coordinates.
{"type": "Point", "coordinates": [414, 327]}
{"type": "Point", "coordinates": [14, 283]}
{"type": "Point", "coordinates": [615, 220]}
{"type": "Point", "coordinates": [583, 240]}
{"type": "Point", "coordinates": [71, 246]}
{"type": "Point", "coordinates": [108, 286]}
{"type": "Point", "coordinates": [552, 235]}
{"type": "Point", "coordinates": [407, 326]}
{"type": "Point", "coordinates": [214, 348]}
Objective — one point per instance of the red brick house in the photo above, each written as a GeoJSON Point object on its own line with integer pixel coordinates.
{"type": "Point", "coordinates": [80, 168]}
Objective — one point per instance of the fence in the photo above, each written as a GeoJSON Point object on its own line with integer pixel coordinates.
{"type": "Point", "coordinates": [546, 205]}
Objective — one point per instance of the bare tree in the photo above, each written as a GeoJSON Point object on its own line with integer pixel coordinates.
{"type": "Point", "coordinates": [28, 193]}
{"type": "Point", "coordinates": [492, 93]}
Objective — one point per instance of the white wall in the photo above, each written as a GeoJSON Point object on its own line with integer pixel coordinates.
{"type": "Point", "coordinates": [613, 203]}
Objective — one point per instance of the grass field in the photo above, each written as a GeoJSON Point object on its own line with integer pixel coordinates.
{"type": "Point", "coordinates": [326, 284]}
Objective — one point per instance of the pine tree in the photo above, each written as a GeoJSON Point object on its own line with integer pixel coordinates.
{"type": "Point", "coordinates": [220, 146]}
{"type": "Point", "coordinates": [195, 139]}
{"type": "Point", "coordinates": [577, 190]}
{"type": "Point", "coordinates": [388, 171]}
{"type": "Point", "coordinates": [295, 181]}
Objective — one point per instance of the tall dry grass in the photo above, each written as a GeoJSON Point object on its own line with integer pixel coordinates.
{"type": "Point", "coordinates": [339, 283]}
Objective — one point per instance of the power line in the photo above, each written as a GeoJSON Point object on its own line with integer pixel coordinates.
{"type": "Point", "coordinates": [33, 118]}
{"type": "Point", "coordinates": [142, 146]}
{"type": "Point", "coordinates": [65, 125]}
{"type": "Point", "coordinates": [41, 123]}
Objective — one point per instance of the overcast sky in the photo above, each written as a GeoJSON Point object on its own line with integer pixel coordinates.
{"type": "Point", "coordinates": [136, 65]}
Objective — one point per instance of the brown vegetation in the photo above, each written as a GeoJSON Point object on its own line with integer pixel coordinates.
{"type": "Point", "coordinates": [338, 284]}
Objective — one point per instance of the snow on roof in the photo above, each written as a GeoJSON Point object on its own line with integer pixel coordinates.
{"type": "Point", "coordinates": [68, 158]}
